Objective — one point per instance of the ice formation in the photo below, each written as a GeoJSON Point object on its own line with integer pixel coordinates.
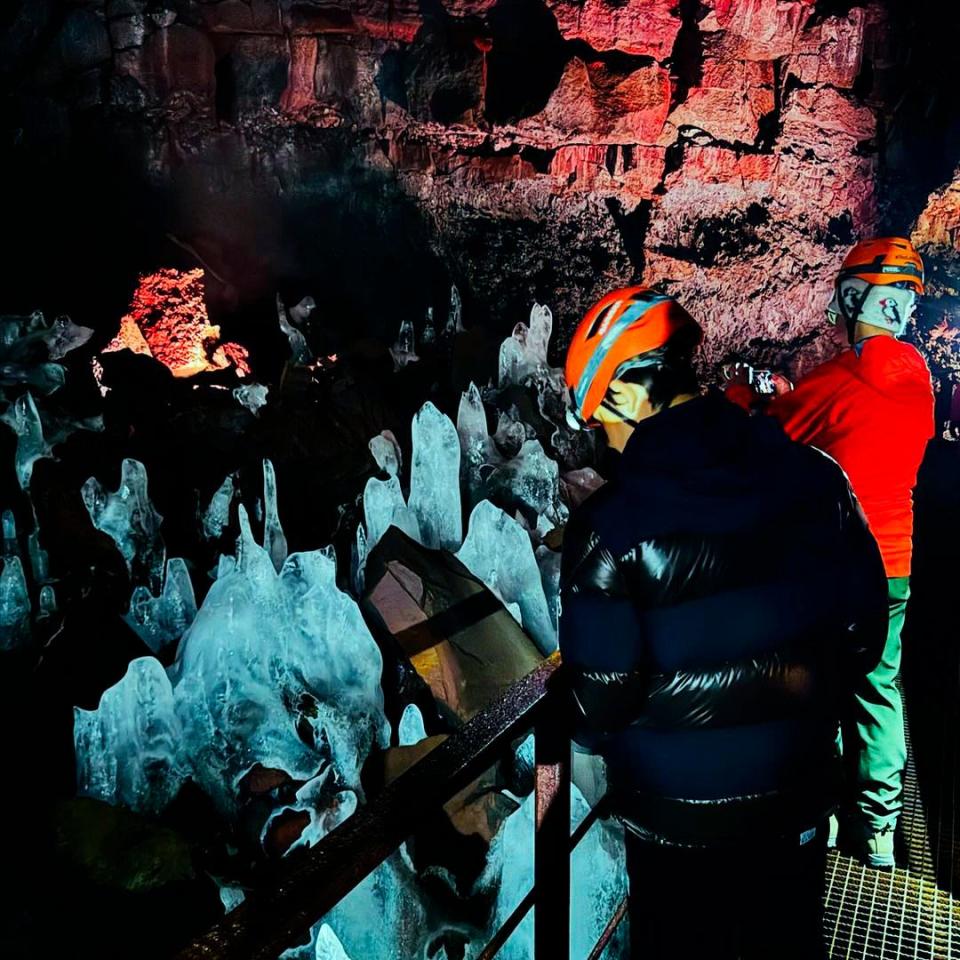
{"type": "Point", "coordinates": [252, 396]}
{"type": "Point", "coordinates": [48, 601]}
{"type": "Point", "coordinates": [130, 520]}
{"type": "Point", "coordinates": [524, 363]}
{"type": "Point", "coordinates": [64, 335]}
{"type": "Point", "coordinates": [404, 351]}
{"type": "Point", "coordinates": [429, 332]}
{"type": "Point", "coordinates": [386, 452]}
{"type": "Point", "coordinates": [411, 729]}
{"type": "Point", "coordinates": [9, 525]}
{"type": "Point", "coordinates": [14, 605]}
{"type": "Point", "coordinates": [455, 313]}
{"type": "Point", "coordinates": [130, 749]}
{"type": "Point", "coordinates": [530, 480]}
{"type": "Point", "coordinates": [277, 671]}
{"type": "Point", "coordinates": [268, 652]}
{"type": "Point", "coordinates": [217, 515]}
{"type": "Point", "coordinates": [19, 337]}
{"type": "Point", "coordinates": [159, 621]}
{"type": "Point", "coordinates": [498, 551]}
{"type": "Point", "coordinates": [479, 454]}
{"type": "Point", "coordinates": [328, 947]}
{"type": "Point", "coordinates": [39, 559]}
{"type": "Point", "coordinates": [406, 928]}
{"type": "Point", "coordinates": [435, 479]}
{"type": "Point", "coordinates": [598, 876]}
{"type": "Point", "coordinates": [548, 562]}
{"type": "Point", "coordinates": [524, 353]}
{"type": "Point", "coordinates": [231, 897]}
{"type": "Point", "coordinates": [382, 918]}
{"type": "Point", "coordinates": [44, 378]}
{"type": "Point", "coordinates": [22, 417]}
{"type": "Point", "coordinates": [385, 507]}
{"type": "Point", "coordinates": [274, 540]}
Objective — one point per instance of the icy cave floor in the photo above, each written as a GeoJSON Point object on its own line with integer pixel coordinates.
{"type": "Point", "coordinates": [913, 912]}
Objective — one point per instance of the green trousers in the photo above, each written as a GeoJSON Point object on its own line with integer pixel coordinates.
{"type": "Point", "coordinates": [877, 728]}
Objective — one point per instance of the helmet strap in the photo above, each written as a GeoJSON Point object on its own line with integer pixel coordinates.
{"type": "Point", "coordinates": [609, 406]}
{"type": "Point", "coordinates": [851, 319]}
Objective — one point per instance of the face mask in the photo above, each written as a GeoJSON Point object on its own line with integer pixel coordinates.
{"type": "Point", "coordinates": [885, 306]}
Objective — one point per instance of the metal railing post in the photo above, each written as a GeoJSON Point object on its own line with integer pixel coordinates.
{"type": "Point", "coordinates": [551, 849]}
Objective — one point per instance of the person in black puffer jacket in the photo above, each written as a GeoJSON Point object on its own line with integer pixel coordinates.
{"type": "Point", "coordinates": [721, 601]}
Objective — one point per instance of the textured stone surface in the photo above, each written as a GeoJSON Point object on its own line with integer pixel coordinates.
{"type": "Point", "coordinates": [168, 321]}
{"type": "Point", "coordinates": [592, 101]}
{"type": "Point", "coordinates": [728, 102]}
{"type": "Point", "coordinates": [643, 27]}
{"type": "Point", "coordinates": [726, 149]}
{"type": "Point", "coordinates": [937, 230]}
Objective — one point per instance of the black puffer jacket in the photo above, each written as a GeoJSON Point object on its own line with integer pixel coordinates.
{"type": "Point", "coordinates": [721, 599]}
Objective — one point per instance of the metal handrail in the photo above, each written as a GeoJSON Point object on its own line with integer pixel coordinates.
{"type": "Point", "coordinates": [304, 887]}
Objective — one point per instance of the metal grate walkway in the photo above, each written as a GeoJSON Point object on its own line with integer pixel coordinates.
{"type": "Point", "coordinates": [908, 914]}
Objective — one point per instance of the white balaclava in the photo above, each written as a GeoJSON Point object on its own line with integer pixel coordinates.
{"type": "Point", "coordinates": [888, 306]}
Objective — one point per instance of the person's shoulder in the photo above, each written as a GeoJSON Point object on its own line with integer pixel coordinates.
{"type": "Point", "coordinates": [809, 470]}
{"type": "Point", "coordinates": [592, 512]}
{"type": "Point", "coordinates": [894, 359]}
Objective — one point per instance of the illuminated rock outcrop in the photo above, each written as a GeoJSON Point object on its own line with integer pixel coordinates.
{"type": "Point", "coordinates": [168, 321]}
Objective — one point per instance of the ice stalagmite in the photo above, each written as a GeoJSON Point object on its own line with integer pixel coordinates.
{"type": "Point", "coordinates": [14, 605]}
{"type": "Point", "coordinates": [384, 507]}
{"type": "Point", "coordinates": [274, 540]}
{"type": "Point", "coordinates": [217, 515]}
{"type": "Point", "coordinates": [328, 947]}
{"type": "Point", "coordinates": [429, 332]}
{"type": "Point", "coordinates": [598, 877]}
{"type": "Point", "coordinates": [529, 480]}
{"type": "Point", "coordinates": [9, 524]}
{"type": "Point", "coordinates": [39, 559]}
{"type": "Point", "coordinates": [455, 314]}
{"type": "Point", "coordinates": [435, 479]}
{"type": "Point", "coordinates": [278, 671]}
{"type": "Point", "coordinates": [498, 551]}
{"type": "Point", "coordinates": [48, 601]}
{"type": "Point", "coordinates": [411, 729]}
{"type": "Point", "coordinates": [268, 658]}
{"type": "Point", "coordinates": [404, 351]}
{"type": "Point", "coordinates": [130, 520]}
{"type": "Point", "coordinates": [129, 750]}
{"type": "Point", "coordinates": [549, 563]}
{"type": "Point", "coordinates": [358, 561]}
{"type": "Point", "coordinates": [22, 417]}
{"type": "Point", "coordinates": [386, 452]}
{"type": "Point", "coordinates": [524, 353]}
{"type": "Point", "coordinates": [382, 918]}
{"type": "Point", "coordinates": [478, 452]}
{"type": "Point", "coordinates": [159, 621]}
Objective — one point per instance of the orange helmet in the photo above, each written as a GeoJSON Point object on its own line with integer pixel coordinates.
{"type": "Point", "coordinates": [621, 326]}
{"type": "Point", "coordinates": [884, 261]}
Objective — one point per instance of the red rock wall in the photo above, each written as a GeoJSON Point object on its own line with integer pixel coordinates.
{"type": "Point", "coordinates": [724, 149]}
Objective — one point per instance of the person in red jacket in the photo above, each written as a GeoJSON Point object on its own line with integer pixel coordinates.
{"type": "Point", "coordinates": [871, 409]}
